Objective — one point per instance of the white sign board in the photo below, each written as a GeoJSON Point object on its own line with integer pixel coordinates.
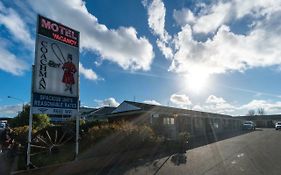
{"type": "Point", "coordinates": [56, 70]}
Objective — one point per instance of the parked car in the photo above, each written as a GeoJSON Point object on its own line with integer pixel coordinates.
{"type": "Point", "coordinates": [249, 125]}
{"type": "Point", "coordinates": [278, 125]}
{"type": "Point", "coordinates": [2, 125]}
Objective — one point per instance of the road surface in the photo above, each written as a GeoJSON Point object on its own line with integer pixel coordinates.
{"type": "Point", "coordinates": [251, 153]}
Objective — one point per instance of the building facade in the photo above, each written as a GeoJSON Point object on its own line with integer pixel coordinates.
{"type": "Point", "coordinates": [263, 121]}
{"type": "Point", "coordinates": [170, 122]}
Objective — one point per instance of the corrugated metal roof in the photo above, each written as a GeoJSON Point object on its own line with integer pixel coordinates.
{"type": "Point", "coordinates": [168, 110]}
{"type": "Point", "coordinates": [103, 111]}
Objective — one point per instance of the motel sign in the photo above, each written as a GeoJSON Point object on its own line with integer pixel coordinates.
{"type": "Point", "coordinates": [56, 71]}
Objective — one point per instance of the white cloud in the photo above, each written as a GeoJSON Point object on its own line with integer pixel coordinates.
{"type": "Point", "coordinates": [220, 105]}
{"type": "Point", "coordinates": [88, 73]}
{"type": "Point", "coordinates": [217, 105]}
{"type": "Point", "coordinates": [10, 110]}
{"type": "Point", "coordinates": [121, 45]}
{"type": "Point", "coordinates": [269, 107]}
{"type": "Point", "coordinates": [218, 15]}
{"type": "Point", "coordinates": [156, 22]}
{"type": "Point", "coordinates": [153, 102]}
{"type": "Point", "coordinates": [226, 51]}
{"type": "Point", "coordinates": [222, 108]}
{"type": "Point", "coordinates": [211, 17]}
{"type": "Point", "coordinates": [16, 26]}
{"type": "Point", "coordinates": [108, 102]}
{"type": "Point", "coordinates": [197, 108]}
{"type": "Point", "coordinates": [10, 63]}
{"type": "Point", "coordinates": [13, 23]}
{"type": "Point", "coordinates": [213, 99]}
{"type": "Point", "coordinates": [156, 18]}
{"type": "Point", "coordinates": [255, 8]}
{"type": "Point", "coordinates": [180, 100]}
{"type": "Point", "coordinates": [184, 16]}
{"type": "Point", "coordinates": [223, 50]}
{"type": "Point", "coordinates": [166, 50]}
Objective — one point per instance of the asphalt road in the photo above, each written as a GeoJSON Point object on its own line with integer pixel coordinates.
{"type": "Point", "coordinates": [252, 153]}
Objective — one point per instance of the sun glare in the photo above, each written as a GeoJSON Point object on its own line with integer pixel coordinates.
{"type": "Point", "coordinates": [196, 82]}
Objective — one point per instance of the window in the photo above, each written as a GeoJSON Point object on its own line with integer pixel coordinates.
{"type": "Point", "coordinates": [168, 121]}
{"type": "Point", "coordinates": [216, 123]}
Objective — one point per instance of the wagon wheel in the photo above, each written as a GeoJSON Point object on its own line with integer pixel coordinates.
{"type": "Point", "coordinates": [49, 142]}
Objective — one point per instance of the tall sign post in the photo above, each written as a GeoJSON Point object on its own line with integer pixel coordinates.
{"type": "Point", "coordinates": [55, 82]}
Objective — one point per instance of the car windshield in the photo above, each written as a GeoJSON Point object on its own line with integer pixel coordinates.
{"type": "Point", "coordinates": [248, 123]}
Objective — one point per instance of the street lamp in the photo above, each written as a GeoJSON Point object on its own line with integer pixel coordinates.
{"type": "Point", "coordinates": [18, 100]}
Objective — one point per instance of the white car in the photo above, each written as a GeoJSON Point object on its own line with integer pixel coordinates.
{"type": "Point", "coordinates": [249, 125]}
{"type": "Point", "coordinates": [278, 125]}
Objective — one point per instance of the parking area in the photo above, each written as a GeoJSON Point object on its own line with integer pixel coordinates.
{"type": "Point", "coordinates": [256, 152]}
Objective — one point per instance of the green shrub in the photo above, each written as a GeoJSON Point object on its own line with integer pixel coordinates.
{"type": "Point", "coordinates": [20, 134]}
{"type": "Point", "coordinates": [87, 125]}
{"type": "Point", "coordinates": [145, 133]}
{"type": "Point", "coordinates": [39, 121]}
{"type": "Point", "coordinates": [128, 134]}
{"type": "Point", "coordinates": [101, 131]}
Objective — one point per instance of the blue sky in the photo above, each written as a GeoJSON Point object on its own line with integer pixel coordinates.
{"type": "Point", "coordinates": [218, 56]}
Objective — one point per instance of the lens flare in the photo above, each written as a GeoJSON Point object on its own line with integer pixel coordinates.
{"type": "Point", "coordinates": [197, 82]}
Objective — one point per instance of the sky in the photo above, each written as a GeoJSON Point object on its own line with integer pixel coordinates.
{"type": "Point", "coordinates": [217, 56]}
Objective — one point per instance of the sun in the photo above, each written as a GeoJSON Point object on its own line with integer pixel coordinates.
{"type": "Point", "coordinates": [197, 82]}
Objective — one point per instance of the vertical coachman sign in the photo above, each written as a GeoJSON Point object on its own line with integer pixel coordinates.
{"type": "Point", "coordinates": [56, 74]}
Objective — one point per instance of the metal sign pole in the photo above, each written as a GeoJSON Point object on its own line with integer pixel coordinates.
{"type": "Point", "coordinates": [77, 137]}
{"type": "Point", "coordinates": [30, 121]}
{"type": "Point", "coordinates": [77, 120]}
{"type": "Point", "coordinates": [78, 114]}
{"type": "Point", "coordinates": [29, 137]}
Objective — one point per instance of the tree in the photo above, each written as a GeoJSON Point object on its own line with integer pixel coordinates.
{"type": "Point", "coordinates": [261, 111]}
{"type": "Point", "coordinates": [251, 112]}
{"type": "Point", "coordinates": [39, 121]}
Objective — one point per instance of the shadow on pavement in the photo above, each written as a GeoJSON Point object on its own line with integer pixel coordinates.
{"type": "Point", "coordinates": [215, 137]}
{"type": "Point", "coordinates": [101, 160]}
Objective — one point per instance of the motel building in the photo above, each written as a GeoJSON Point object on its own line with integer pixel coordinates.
{"type": "Point", "coordinates": [169, 121]}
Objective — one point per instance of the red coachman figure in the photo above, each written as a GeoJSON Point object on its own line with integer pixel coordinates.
{"type": "Point", "coordinates": [69, 71]}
